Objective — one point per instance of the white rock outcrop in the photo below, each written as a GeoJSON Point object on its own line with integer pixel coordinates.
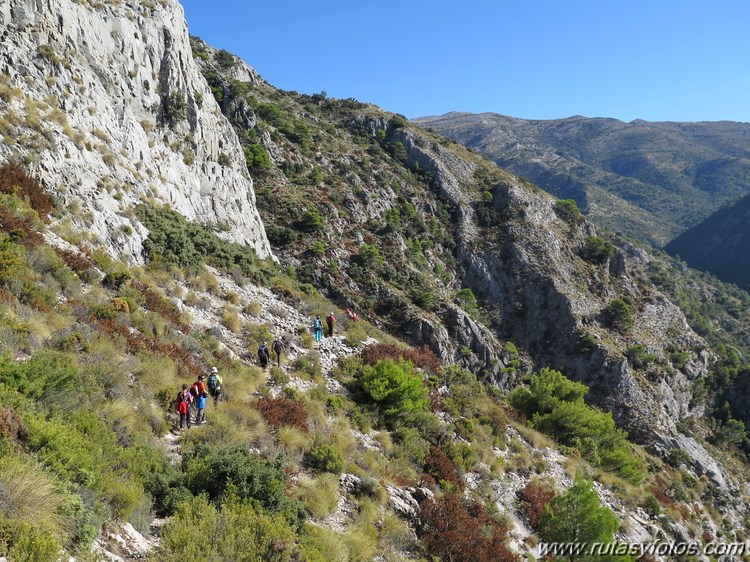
{"type": "Point", "coordinates": [103, 101]}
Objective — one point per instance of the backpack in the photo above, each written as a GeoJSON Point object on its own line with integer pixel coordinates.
{"type": "Point", "coordinates": [278, 346]}
{"type": "Point", "coordinates": [213, 382]}
{"type": "Point", "coordinates": [263, 352]}
{"type": "Point", "coordinates": [184, 396]}
{"type": "Point", "coordinates": [317, 325]}
{"type": "Point", "coordinates": [194, 390]}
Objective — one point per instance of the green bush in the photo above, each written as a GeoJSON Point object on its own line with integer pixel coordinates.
{"type": "Point", "coordinates": [370, 255]}
{"type": "Point", "coordinates": [257, 158]}
{"type": "Point", "coordinates": [310, 221]}
{"type": "Point", "coordinates": [597, 250]}
{"type": "Point", "coordinates": [324, 457]}
{"type": "Point", "coordinates": [174, 240]}
{"type": "Point", "coordinates": [577, 517]}
{"type": "Point", "coordinates": [396, 389]}
{"type": "Point", "coordinates": [23, 542]}
{"type": "Point", "coordinates": [236, 531]}
{"type": "Point", "coordinates": [555, 405]}
{"type": "Point", "coordinates": [467, 300]}
{"type": "Point", "coordinates": [225, 59]}
{"type": "Point", "coordinates": [217, 470]}
{"type": "Point", "coordinates": [174, 107]}
{"type": "Point", "coordinates": [619, 315]}
{"type": "Point", "coordinates": [567, 210]}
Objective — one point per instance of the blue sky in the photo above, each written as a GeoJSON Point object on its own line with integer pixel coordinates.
{"type": "Point", "coordinates": [658, 60]}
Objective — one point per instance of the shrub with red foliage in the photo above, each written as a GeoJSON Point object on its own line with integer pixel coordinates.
{"type": "Point", "coordinates": [439, 466]}
{"type": "Point", "coordinates": [282, 411]}
{"type": "Point", "coordinates": [12, 425]}
{"type": "Point", "coordinates": [76, 261]}
{"type": "Point", "coordinates": [20, 229]}
{"type": "Point", "coordinates": [159, 305]}
{"type": "Point", "coordinates": [534, 497]}
{"type": "Point", "coordinates": [423, 357]}
{"type": "Point", "coordinates": [458, 532]}
{"type": "Point", "coordinates": [659, 491]}
{"type": "Point", "coordinates": [15, 181]}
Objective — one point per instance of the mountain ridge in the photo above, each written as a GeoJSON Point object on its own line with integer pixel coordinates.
{"type": "Point", "coordinates": [648, 180]}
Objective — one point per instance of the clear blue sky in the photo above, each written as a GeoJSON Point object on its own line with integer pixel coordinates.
{"type": "Point", "coordinates": [659, 60]}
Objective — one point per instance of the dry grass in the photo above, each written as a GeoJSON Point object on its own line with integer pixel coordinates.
{"type": "Point", "coordinates": [28, 493]}
{"type": "Point", "coordinates": [319, 495]}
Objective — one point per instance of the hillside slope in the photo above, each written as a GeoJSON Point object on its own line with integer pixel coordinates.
{"type": "Point", "coordinates": [719, 244]}
{"type": "Point", "coordinates": [649, 181]}
{"type": "Point", "coordinates": [505, 345]}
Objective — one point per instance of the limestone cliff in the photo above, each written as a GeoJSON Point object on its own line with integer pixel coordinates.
{"type": "Point", "coordinates": [105, 104]}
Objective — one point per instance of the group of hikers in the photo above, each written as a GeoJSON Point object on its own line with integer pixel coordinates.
{"type": "Point", "coordinates": [264, 355]}
{"type": "Point", "coordinates": [191, 401]}
{"type": "Point", "coordinates": [330, 323]}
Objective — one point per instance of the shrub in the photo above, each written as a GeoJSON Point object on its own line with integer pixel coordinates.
{"type": "Point", "coordinates": [534, 497]}
{"type": "Point", "coordinates": [282, 411]}
{"type": "Point", "coordinates": [318, 248]}
{"type": "Point", "coordinates": [458, 532]}
{"type": "Point", "coordinates": [396, 389]}
{"type": "Point", "coordinates": [677, 457]}
{"type": "Point", "coordinates": [174, 240]}
{"type": "Point", "coordinates": [324, 457]}
{"type": "Point", "coordinates": [554, 405]}
{"type": "Point", "coordinates": [439, 465]}
{"type": "Point", "coordinates": [577, 516]}
{"type": "Point", "coordinates": [257, 158]}
{"type": "Point", "coordinates": [22, 542]}
{"type": "Point", "coordinates": [651, 506]}
{"type": "Point", "coordinates": [310, 221]}
{"type": "Point", "coordinates": [14, 180]}
{"type": "Point", "coordinates": [225, 59]}
{"type": "Point", "coordinates": [369, 255]}
{"type": "Point", "coordinates": [467, 300]}
{"type": "Point", "coordinates": [567, 210]}
{"type": "Point", "coordinates": [619, 315]}
{"type": "Point", "coordinates": [237, 531]}
{"type": "Point", "coordinates": [215, 470]}
{"type": "Point", "coordinates": [11, 425]}
{"type": "Point", "coordinates": [424, 357]}
{"type": "Point", "coordinates": [174, 107]}
{"type": "Point", "coordinates": [597, 250]}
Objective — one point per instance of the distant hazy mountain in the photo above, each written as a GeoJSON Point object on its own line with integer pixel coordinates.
{"type": "Point", "coordinates": [647, 180]}
{"type": "Point", "coordinates": [720, 244]}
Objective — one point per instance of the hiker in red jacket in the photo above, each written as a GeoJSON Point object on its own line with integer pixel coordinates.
{"type": "Point", "coordinates": [330, 320]}
{"type": "Point", "coordinates": [184, 402]}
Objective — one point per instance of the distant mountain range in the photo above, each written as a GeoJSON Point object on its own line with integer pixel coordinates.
{"type": "Point", "coordinates": [651, 181]}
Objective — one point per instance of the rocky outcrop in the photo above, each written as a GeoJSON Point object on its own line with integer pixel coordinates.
{"type": "Point", "coordinates": [524, 262]}
{"type": "Point", "coordinates": [107, 106]}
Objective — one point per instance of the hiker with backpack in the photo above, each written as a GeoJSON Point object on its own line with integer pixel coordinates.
{"type": "Point", "coordinates": [318, 328]}
{"type": "Point", "coordinates": [184, 402]}
{"type": "Point", "coordinates": [330, 320]}
{"type": "Point", "coordinates": [278, 347]}
{"type": "Point", "coordinates": [200, 394]}
{"type": "Point", "coordinates": [263, 355]}
{"type": "Point", "coordinates": [214, 385]}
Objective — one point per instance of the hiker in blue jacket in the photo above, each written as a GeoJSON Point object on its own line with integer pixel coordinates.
{"type": "Point", "coordinates": [318, 327]}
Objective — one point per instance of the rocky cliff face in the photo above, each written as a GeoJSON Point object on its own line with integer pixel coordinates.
{"type": "Point", "coordinates": [105, 103]}
{"type": "Point", "coordinates": [523, 260]}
